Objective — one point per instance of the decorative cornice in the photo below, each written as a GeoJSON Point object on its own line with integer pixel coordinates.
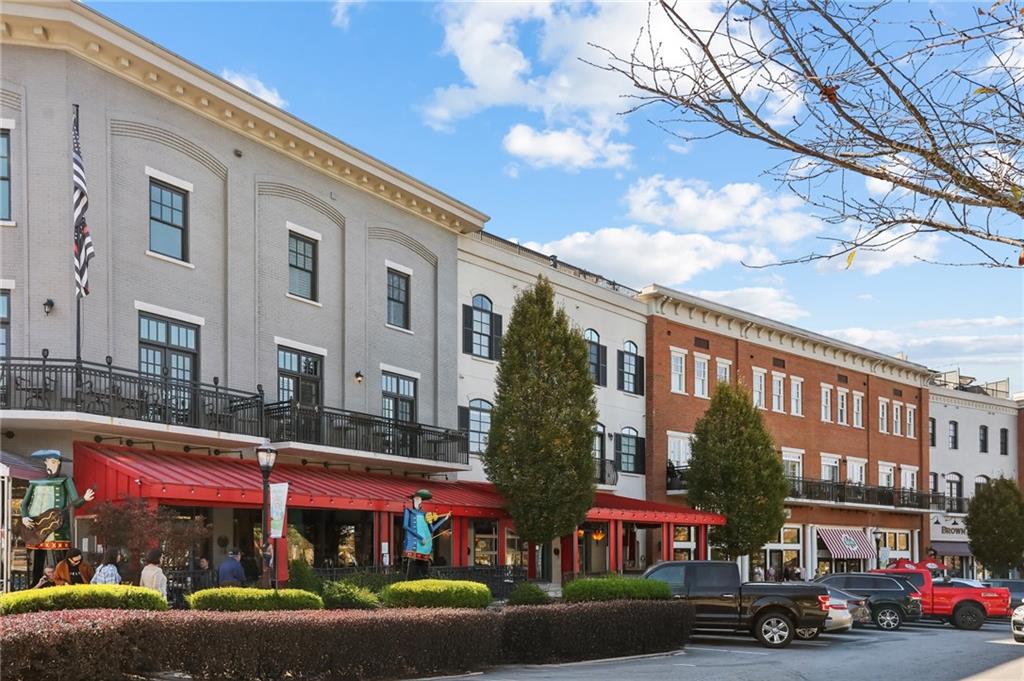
{"type": "Point", "coordinates": [728, 321]}
{"type": "Point", "coordinates": [79, 30]}
{"type": "Point", "coordinates": [961, 398]}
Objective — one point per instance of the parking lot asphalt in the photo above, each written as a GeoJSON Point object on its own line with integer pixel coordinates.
{"type": "Point", "coordinates": [928, 652]}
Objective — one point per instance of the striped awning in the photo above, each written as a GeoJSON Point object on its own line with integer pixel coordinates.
{"type": "Point", "coordinates": [843, 542]}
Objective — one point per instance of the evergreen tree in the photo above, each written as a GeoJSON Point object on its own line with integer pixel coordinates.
{"type": "Point", "coordinates": [995, 525]}
{"type": "Point", "coordinates": [735, 471]}
{"type": "Point", "coordinates": [539, 452]}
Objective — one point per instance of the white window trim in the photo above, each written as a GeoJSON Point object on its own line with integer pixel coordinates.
{"type": "Point", "coordinates": [411, 333]}
{"type": "Point", "coordinates": [881, 401]}
{"type": "Point", "coordinates": [706, 395]}
{"type": "Point", "coordinates": [782, 402]}
{"type": "Point", "coordinates": [307, 301]}
{"type": "Point", "coordinates": [856, 394]}
{"type": "Point", "coordinates": [7, 284]}
{"type": "Point", "coordinates": [882, 465]}
{"type": "Point", "coordinates": [757, 371]}
{"type": "Point", "coordinates": [897, 421]}
{"type": "Point", "coordinates": [670, 434]}
{"type": "Point", "coordinates": [173, 261]}
{"type": "Point", "coordinates": [167, 178]}
{"type": "Point", "coordinates": [834, 459]}
{"type": "Point", "coordinates": [392, 369]}
{"type": "Point", "coordinates": [8, 124]}
{"type": "Point", "coordinates": [840, 392]}
{"type": "Point", "coordinates": [303, 231]}
{"type": "Point", "coordinates": [297, 345]}
{"type": "Point", "coordinates": [794, 455]}
{"type": "Point", "coordinates": [792, 381]}
{"type": "Point", "coordinates": [909, 431]}
{"type": "Point", "coordinates": [857, 462]}
{"type": "Point", "coordinates": [722, 362]}
{"type": "Point", "coordinates": [169, 313]}
{"type": "Point", "coordinates": [831, 405]}
{"type": "Point", "coordinates": [905, 467]}
{"type": "Point", "coordinates": [673, 353]}
{"type": "Point", "coordinates": [391, 265]}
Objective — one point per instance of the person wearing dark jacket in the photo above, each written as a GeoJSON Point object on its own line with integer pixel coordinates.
{"type": "Point", "coordinates": [231, 572]}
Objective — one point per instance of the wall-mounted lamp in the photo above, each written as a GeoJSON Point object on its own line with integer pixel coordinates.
{"type": "Point", "coordinates": [48, 306]}
{"type": "Point", "coordinates": [358, 376]}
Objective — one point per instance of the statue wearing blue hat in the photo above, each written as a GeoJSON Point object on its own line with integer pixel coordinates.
{"type": "Point", "coordinates": [419, 535]}
{"type": "Point", "coordinates": [46, 508]}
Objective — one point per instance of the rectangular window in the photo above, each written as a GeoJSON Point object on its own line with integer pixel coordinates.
{"type": "Point", "coordinates": [792, 463]}
{"type": "Point", "coordinates": [301, 266]}
{"type": "Point", "coordinates": [954, 435]}
{"type": "Point", "coordinates": [856, 471]}
{"type": "Point", "coordinates": [842, 406]}
{"type": "Point", "coordinates": [679, 449]}
{"type": "Point", "coordinates": [700, 375]}
{"type": "Point", "coordinates": [778, 392]}
{"type": "Point", "coordinates": [398, 397]}
{"type": "Point", "coordinates": [908, 478]}
{"type": "Point", "coordinates": [5, 324]}
{"type": "Point", "coordinates": [858, 410]}
{"type": "Point", "coordinates": [826, 403]}
{"type": "Point", "coordinates": [168, 220]}
{"type": "Point", "coordinates": [5, 175]}
{"type": "Point", "coordinates": [1004, 441]}
{"type": "Point", "coordinates": [931, 432]}
{"type": "Point", "coordinates": [934, 482]}
{"type": "Point", "coordinates": [883, 415]}
{"type": "Point", "coordinates": [678, 371]}
{"type": "Point", "coordinates": [983, 439]}
{"type": "Point", "coordinates": [796, 396]}
{"type": "Point", "coordinates": [398, 299]}
{"type": "Point", "coordinates": [830, 468]}
{"type": "Point", "coordinates": [911, 421]}
{"type": "Point", "coordinates": [886, 475]}
{"type": "Point", "coordinates": [170, 349]}
{"type": "Point", "coordinates": [897, 418]}
{"type": "Point", "coordinates": [723, 370]}
{"type": "Point", "coordinates": [299, 376]}
{"type": "Point", "coordinates": [759, 386]}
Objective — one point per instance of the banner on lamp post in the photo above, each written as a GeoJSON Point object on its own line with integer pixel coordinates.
{"type": "Point", "coordinates": [278, 503]}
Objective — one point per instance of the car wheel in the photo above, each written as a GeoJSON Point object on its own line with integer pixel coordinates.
{"type": "Point", "coordinates": [808, 633]}
{"type": "Point", "coordinates": [888, 617]}
{"type": "Point", "coordinates": [968, 617]}
{"type": "Point", "coordinates": [774, 630]}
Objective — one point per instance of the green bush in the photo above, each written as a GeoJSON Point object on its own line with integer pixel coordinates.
{"type": "Point", "coordinates": [302, 576]}
{"type": "Point", "coordinates": [528, 593]}
{"type": "Point", "coordinates": [348, 596]}
{"type": "Point", "coordinates": [82, 596]}
{"type": "Point", "coordinates": [614, 589]}
{"type": "Point", "coordinates": [436, 593]}
{"type": "Point", "coordinates": [233, 598]}
{"type": "Point", "coordinates": [374, 581]}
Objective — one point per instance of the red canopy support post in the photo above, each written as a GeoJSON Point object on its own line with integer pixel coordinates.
{"type": "Point", "coordinates": [702, 542]}
{"type": "Point", "coordinates": [280, 550]}
{"type": "Point", "coordinates": [531, 561]}
{"type": "Point", "coordinates": [460, 541]}
{"type": "Point", "coordinates": [666, 541]}
{"type": "Point", "coordinates": [503, 524]}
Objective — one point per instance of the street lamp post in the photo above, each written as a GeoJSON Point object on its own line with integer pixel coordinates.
{"type": "Point", "coordinates": [267, 456]}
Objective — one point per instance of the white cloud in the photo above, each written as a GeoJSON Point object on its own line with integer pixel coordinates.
{"type": "Point", "coordinates": [865, 296]}
{"type": "Point", "coordinates": [742, 208]}
{"type": "Point", "coordinates": [909, 251]}
{"type": "Point", "coordinates": [682, 148]}
{"type": "Point", "coordinates": [637, 257]}
{"type": "Point", "coordinates": [998, 321]}
{"type": "Point", "coordinates": [773, 303]}
{"type": "Point", "coordinates": [568, 148]}
{"type": "Point", "coordinates": [255, 86]}
{"type": "Point", "coordinates": [512, 170]}
{"type": "Point", "coordinates": [340, 11]}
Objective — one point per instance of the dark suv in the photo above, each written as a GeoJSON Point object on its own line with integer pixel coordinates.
{"type": "Point", "coordinates": [892, 600]}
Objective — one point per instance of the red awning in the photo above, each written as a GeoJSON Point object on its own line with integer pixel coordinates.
{"type": "Point", "coordinates": [843, 542]}
{"type": "Point", "coordinates": [116, 472]}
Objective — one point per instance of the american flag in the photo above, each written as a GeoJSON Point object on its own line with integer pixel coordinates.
{"type": "Point", "coordinates": [83, 239]}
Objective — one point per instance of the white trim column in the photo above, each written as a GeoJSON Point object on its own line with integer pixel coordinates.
{"type": "Point", "coordinates": [744, 564]}
{"type": "Point", "coordinates": [811, 552]}
{"type": "Point", "coordinates": [915, 546]}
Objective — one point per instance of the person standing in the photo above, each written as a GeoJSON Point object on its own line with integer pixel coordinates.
{"type": "Point", "coordinates": [152, 576]}
{"type": "Point", "coordinates": [231, 572]}
{"type": "Point", "coordinates": [73, 570]}
{"type": "Point", "coordinates": [107, 573]}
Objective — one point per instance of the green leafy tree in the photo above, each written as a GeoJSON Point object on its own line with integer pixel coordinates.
{"type": "Point", "coordinates": [542, 426]}
{"type": "Point", "coordinates": [995, 524]}
{"type": "Point", "coordinates": [735, 471]}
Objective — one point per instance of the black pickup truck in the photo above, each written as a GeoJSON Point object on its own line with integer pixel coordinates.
{"type": "Point", "coordinates": [772, 612]}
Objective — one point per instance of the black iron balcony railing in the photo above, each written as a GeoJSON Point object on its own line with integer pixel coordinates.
{"type": "Point", "coordinates": [676, 477]}
{"type": "Point", "coordinates": [48, 384]}
{"type": "Point", "coordinates": [330, 427]}
{"type": "Point", "coordinates": [604, 471]}
{"type": "Point", "coordinates": [853, 493]}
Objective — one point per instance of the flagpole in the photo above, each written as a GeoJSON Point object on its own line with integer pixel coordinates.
{"type": "Point", "coordinates": [78, 315]}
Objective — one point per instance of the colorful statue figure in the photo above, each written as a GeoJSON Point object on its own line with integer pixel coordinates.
{"type": "Point", "coordinates": [419, 535]}
{"type": "Point", "coordinates": [45, 510]}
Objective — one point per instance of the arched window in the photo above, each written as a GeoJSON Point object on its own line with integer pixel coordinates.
{"type": "Point", "coordinates": [481, 329]}
{"type": "Point", "coordinates": [591, 336]}
{"type": "Point", "coordinates": [631, 369]}
{"type": "Point", "coordinates": [980, 483]}
{"type": "Point", "coordinates": [629, 451]}
{"type": "Point", "coordinates": [954, 485]}
{"type": "Point", "coordinates": [597, 357]}
{"type": "Point", "coordinates": [598, 447]}
{"type": "Point", "coordinates": [479, 425]}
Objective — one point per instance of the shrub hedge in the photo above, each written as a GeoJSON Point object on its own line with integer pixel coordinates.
{"type": "Point", "coordinates": [302, 576]}
{"type": "Point", "coordinates": [528, 593]}
{"type": "Point", "coordinates": [374, 581]}
{"type": "Point", "coordinates": [614, 589]}
{"type": "Point", "coordinates": [436, 593]}
{"type": "Point", "coordinates": [234, 598]}
{"type": "Point", "coordinates": [335, 645]}
{"type": "Point", "coordinates": [79, 596]}
{"type": "Point", "coordinates": [345, 595]}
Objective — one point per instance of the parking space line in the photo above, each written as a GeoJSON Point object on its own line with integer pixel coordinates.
{"type": "Point", "coordinates": [728, 650]}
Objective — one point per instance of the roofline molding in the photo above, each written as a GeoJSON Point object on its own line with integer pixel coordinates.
{"type": "Point", "coordinates": [98, 40]}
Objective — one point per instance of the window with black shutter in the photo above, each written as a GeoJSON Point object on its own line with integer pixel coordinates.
{"type": "Point", "coordinates": [481, 329]}
{"type": "Point", "coordinates": [597, 357]}
{"type": "Point", "coordinates": [628, 451]}
{"type": "Point", "coordinates": [479, 425]}
{"type": "Point", "coordinates": [630, 369]}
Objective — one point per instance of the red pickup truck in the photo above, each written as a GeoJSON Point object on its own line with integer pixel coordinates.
{"type": "Point", "coordinates": [966, 607]}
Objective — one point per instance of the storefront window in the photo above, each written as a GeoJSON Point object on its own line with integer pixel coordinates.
{"type": "Point", "coordinates": [516, 551]}
{"type": "Point", "coordinates": [485, 542]}
{"type": "Point", "coordinates": [790, 535]}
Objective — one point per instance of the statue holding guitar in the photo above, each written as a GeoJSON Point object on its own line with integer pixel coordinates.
{"type": "Point", "coordinates": [419, 529]}
{"type": "Point", "coordinates": [46, 507]}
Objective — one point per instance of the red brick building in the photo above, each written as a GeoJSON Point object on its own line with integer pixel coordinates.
{"type": "Point", "coordinates": [847, 423]}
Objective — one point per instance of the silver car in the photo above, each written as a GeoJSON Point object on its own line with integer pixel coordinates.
{"type": "Point", "coordinates": [839, 619]}
{"type": "Point", "coordinates": [1017, 623]}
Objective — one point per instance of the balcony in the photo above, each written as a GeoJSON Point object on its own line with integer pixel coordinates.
{"type": "Point", "coordinates": [304, 429]}
{"type": "Point", "coordinates": [604, 472]}
{"type": "Point", "coordinates": [676, 478]}
{"type": "Point", "coordinates": [826, 491]}
{"type": "Point", "coordinates": [106, 398]}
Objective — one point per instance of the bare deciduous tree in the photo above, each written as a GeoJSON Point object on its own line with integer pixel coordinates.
{"type": "Point", "coordinates": [930, 114]}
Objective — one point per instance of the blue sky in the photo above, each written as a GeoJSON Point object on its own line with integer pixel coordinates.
{"type": "Point", "coordinates": [490, 103]}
